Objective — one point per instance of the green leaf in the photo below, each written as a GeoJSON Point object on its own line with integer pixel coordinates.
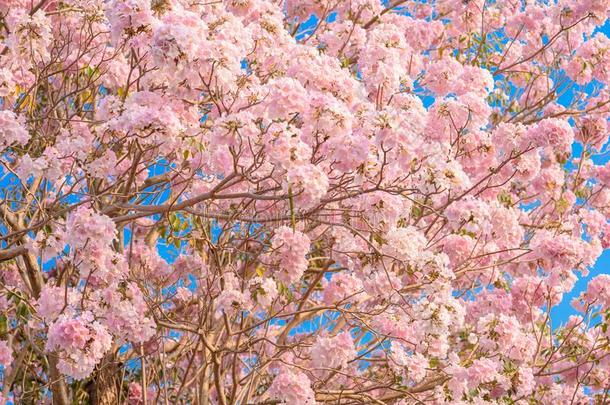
{"type": "Point", "coordinates": [3, 325]}
{"type": "Point", "coordinates": [23, 311]}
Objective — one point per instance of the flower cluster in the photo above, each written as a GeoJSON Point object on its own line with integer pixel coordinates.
{"type": "Point", "coordinates": [317, 201]}
{"type": "Point", "coordinates": [81, 343]}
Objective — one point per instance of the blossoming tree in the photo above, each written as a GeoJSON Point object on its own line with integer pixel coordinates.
{"type": "Point", "coordinates": [321, 201]}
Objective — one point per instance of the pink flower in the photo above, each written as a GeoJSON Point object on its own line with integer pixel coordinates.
{"type": "Point", "coordinates": [458, 248]}
{"type": "Point", "coordinates": [552, 132]}
{"type": "Point", "coordinates": [6, 354]}
{"type": "Point", "coordinates": [70, 334]}
{"type": "Point", "coordinates": [266, 291]}
{"type": "Point", "coordinates": [86, 227]}
{"type": "Point", "coordinates": [135, 394]}
{"type": "Point", "coordinates": [598, 290]}
{"type": "Point", "coordinates": [7, 83]}
{"type": "Point", "coordinates": [308, 183]}
{"type": "Point", "coordinates": [591, 60]}
{"type": "Point", "coordinates": [183, 294]}
{"type": "Point", "coordinates": [407, 245]}
{"type": "Point", "coordinates": [414, 365]}
{"type": "Point", "coordinates": [558, 252]}
{"type": "Point", "coordinates": [124, 314]}
{"type": "Point", "coordinates": [474, 79]}
{"type": "Point", "coordinates": [293, 94]}
{"type": "Point", "coordinates": [342, 286]}
{"type": "Point", "coordinates": [128, 17]}
{"type": "Point", "coordinates": [482, 371]}
{"type": "Point", "coordinates": [179, 39]}
{"type": "Point", "coordinates": [333, 351]}
{"type": "Point", "coordinates": [441, 74]}
{"type": "Point", "coordinates": [290, 248]}
{"type": "Point", "coordinates": [292, 386]}
{"type": "Point", "coordinates": [231, 301]}
{"type": "Point", "coordinates": [81, 342]}
{"type": "Point", "coordinates": [52, 301]}
{"type": "Point", "coordinates": [12, 130]}
{"type": "Point", "coordinates": [527, 383]}
{"type": "Point", "coordinates": [417, 366]}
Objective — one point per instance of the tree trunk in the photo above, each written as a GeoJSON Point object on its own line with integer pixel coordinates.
{"type": "Point", "coordinates": [58, 383]}
{"type": "Point", "coordinates": [104, 388]}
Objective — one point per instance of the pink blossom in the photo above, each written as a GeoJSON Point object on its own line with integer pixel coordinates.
{"type": "Point", "coordinates": [414, 365]}
{"type": "Point", "coordinates": [12, 131]}
{"type": "Point", "coordinates": [71, 334]}
{"type": "Point", "coordinates": [290, 247]}
{"type": "Point", "coordinates": [342, 286]}
{"type": "Point", "coordinates": [407, 245]}
{"type": "Point", "coordinates": [292, 386]}
{"type": "Point", "coordinates": [459, 248]}
{"type": "Point", "coordinates": [128, 17]}
{"type": "Point", "coordinates": [82, 343]}
{"type": "Point", "coordinates": [441, 74]}
{"type": "Point", "coordinates": [266, 291]}
{"type": "Point", "coordinates": [7, 83]}
{"type": "Point", "coordinates": [124, 314]}
{"type": "Point", "coordinates": [231, 301]}
{"type": "Point", "coordinates": [292, 92]}
{"type": "Point", "coordinates": [552, 132]}
{"type": "Point", "coordinates": [527, 383]}
{"type": "Point", "coordinates": [307, 183]}
{"type": "Point", "coordinates": [482, 371]}
{"type": "Point", "coordinates": [135, 394]}
{"type": "Point", "coordinates": [333, 351]}
{"type": "Point", "coordinates": [6, 354]}
{"type": "Point", "coordinates": [255, 201]}
{"type": "Point", "coordinates": [598, 290]}
{"type": "Point", "coordinates": [53, 300]}
{"type": "Point", "coordinates": [474, 79]}
{"type": "Point", "coordinates": [86, 227]}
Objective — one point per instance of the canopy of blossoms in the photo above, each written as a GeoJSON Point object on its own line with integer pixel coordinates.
{"type": "Point", "coordinates": [303, 201]}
